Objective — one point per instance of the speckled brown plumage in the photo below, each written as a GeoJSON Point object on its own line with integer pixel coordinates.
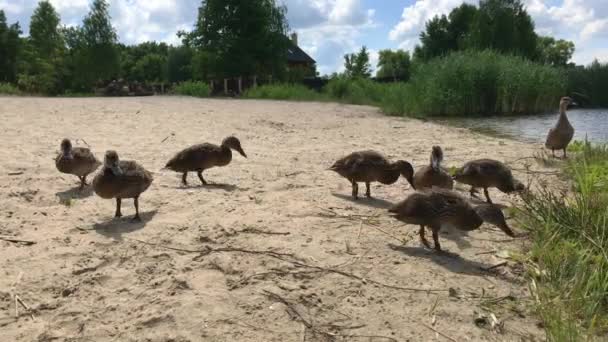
{"type": "Point", "coordinates": [371, 166]}
{"type": "Point", "coordinates": [121, 179]}
{"type": "Point", "coordinates": [199, 158]}
{"type": "Point", "coordinates": [441, 208]}
{"type": "Point", "coordinates": [433, 174]}
{"type": "Point", "coordinates": [562, 133]}
{"type": "Point", "coordinates": [78, 161]}
{"type": "Point", "coordinates": [487, 173]}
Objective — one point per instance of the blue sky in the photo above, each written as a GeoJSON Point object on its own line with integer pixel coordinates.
{"type": "Point", "coordinates": [328, 29]}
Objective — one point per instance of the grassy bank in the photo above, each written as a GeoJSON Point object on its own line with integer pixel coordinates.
{"type": "Point", "coordinates": [569, 255]}
{"type": "Point", "coordinates": [192, 88]}
{"type": "Point", "coordinates": [8, 89]}
{"type": "Point", "coordinates": [461, 84]}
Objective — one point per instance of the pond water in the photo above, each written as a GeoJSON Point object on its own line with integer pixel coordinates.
{"type": "Point", "coordinates": [533, 128]}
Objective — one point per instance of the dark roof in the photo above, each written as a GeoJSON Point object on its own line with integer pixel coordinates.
{"type": "Point", "coordinates": [297, 55]}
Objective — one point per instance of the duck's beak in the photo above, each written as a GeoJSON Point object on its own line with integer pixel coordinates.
{"type": "Point", "coordinates": [116, 170]}
{"type": "Point", "coordinates": [240, 150]}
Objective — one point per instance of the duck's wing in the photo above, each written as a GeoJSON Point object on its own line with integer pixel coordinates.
{"type": "Point", "coordinates": [83, 154]}
{"type": "Point", "coordinates": [193, 157]}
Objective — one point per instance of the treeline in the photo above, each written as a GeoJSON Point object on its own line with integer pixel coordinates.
{"type": "Point", "coordinates": [55, 59]}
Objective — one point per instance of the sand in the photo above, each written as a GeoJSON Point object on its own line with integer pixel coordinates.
{"type": "Point", "coordinates": [276, 249]}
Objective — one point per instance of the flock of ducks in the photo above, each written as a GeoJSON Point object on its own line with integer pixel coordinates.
{"type": "Point", "coordinates": [434, 204]}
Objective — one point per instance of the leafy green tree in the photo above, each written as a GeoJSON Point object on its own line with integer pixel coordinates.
{"type": "Point", "coordinates": [395, 64]}
{"type": "Point", "coordinates": [41, 58]}
{"type": "Point", "coordinates": [357, 65]}
{"type": "Point", "coordinates": [555, 52]}
{"type": "Point", "coordinates": [244, 37]}
{"type": "Point", "coordinates": [97, 56]}
{"type": "Point", "coordinates": [504, 26]}
{"type": "Point", "coordinates": [179, 64]}
{"type": "Point", "coordinates": [151, 68]}
{"type": "Point", "coordinates": [9, 49]}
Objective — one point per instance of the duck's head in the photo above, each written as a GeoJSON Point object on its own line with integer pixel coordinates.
{"type": "Point", "coordinates": [406, 169]}
{"type": "Point", "coordinates": [565, 102]}
{"type": "Point", "coordinates": [110, 162]}
{"type": "Point", "coordinates": [234, 143]}
{"type": "Point", "coordinates": [513, 186]}
{"type": "Point", "coordinates": [492, 214]}
{"type": "Point", "coordinates": [436, 157]}
{"type": "Point", "coordinates": [66, 147]}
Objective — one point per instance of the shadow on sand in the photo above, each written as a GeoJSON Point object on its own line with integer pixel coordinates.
{"type": "Point", "coordinates": [75, 193]}
{"type": "Point", "coordinates": [123, 225]}
{"type": "Point", "coordinates": [224, 187]}
{"type": "Point", "coordinates": [370, 202]}
{"type": "Point", "coordinates": [450, 261]}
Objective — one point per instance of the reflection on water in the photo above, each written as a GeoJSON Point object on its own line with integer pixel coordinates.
{"type": "Point", "coordinates": [590, 122]}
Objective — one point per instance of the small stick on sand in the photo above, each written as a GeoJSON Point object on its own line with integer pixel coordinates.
{"type": "Point", "coordinates": [14, 240]}
{"type": "Point", "coordinates": [495, 266]}
{"type": "Point", "coordinates": [439, 332]}
{"type": "Point", "coordinates": [27, 308]}
{"type": "Point", "coordinates": [16, 173]}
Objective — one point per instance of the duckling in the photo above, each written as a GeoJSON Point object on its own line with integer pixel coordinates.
{"type": "Point", "coordinates": [121, 179]}
{"type": "Point", "coordinates": [441, 208]}
{"type": "Point", "coordinates": [78, 161]}
{"type": "Point", "coordinates": [487, 173]}
{"type": "Point", "coordinates": [371, 166]}
{"type": "Point", "coordinates": [433, 174]}
{"type": "Point", "coordinates": [561, 134]}
{"type": "Point", "coordinates": [204, 156]}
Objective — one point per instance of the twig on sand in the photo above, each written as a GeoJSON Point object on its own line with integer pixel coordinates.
{"type": "Point", "coordinates": [439, 332]}
{"type": "Point", "coordinates": [16, 173]}
{"type": "Point", "coordinates": [253, 230]}
{"type": "Point", "coordinates": [295, 314]}
{"type": "Point", "coordinates": [495, 266]}
{"type": "Point", "coordinates": [286, 257]}
{"type": "Point", "coordinates": [27, 308]}
{"type": "Point", "coordinates": [14, 240]}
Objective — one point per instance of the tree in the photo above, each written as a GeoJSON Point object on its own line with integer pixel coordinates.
{"type": "Point", "coordinates": [504, 26]}
{"type": "Point", "coordinates": [179, 64]}
{"type": "Point", "coordinates": [41, 58]}
{"type": "Point", "coordinates": [241, 38]}
{"type": "Point", "coordinates": [97, 57]}
{"type": "Point", "coordinates": [357, 64]}
{"type": "Point", "coordinates": [395, 64]}
{"type": "Point", "coordinates": [555, 52]}
{"type": "Point", "coordinates": [9, 49]}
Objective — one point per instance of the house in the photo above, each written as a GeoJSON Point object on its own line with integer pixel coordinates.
{"type": "Point", "coordinates": [297, 58]}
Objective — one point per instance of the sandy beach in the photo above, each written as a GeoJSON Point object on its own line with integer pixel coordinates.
{"type": "Point", "coordinates": [273, 250]}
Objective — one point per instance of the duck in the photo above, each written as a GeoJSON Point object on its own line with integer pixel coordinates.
{"type": "Point", "coordinates": [201, 157]}
{"type": "Point", "coordinates": [371, 166]}
{"type": "Point", "coordinates": [121, 179]}
{"type": "Point", "coordinates": [78, 161]}
{"type": "Point", "coordinates": [438, 209]}
{"type": "Point", "coordinates": [487, 173]}
{"type": "Point", "coordinates": [561, 134]}
{"type": "Point", "coordinates": [433, 174]}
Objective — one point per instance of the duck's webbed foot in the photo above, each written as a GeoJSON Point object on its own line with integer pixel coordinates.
{"type": "Point", "coordinates": [423, 239]}
{"type": "Point", "coordinates": [200, 176]}
{"type": "Point", "coordinates": [355, 189]}
{"type": "Point", "coordinates": [136, 218]}
{"type": "Point", "coordinates": [184, 180]}
{"type": "Point", "coordinates": [118, 213]}
{"type": "Point", "coordinates": [487, 194]}
{"type": "Point", "coordinates": [368, 192]}
{"type": "Point", "coordinates": [436, 240]}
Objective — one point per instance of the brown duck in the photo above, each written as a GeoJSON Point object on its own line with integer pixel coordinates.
{"type": "Point", "coordinates": [121, 179]}
{"type": "Point", "coordinates": [78, 161]}
{"type": "Point", "coordinates": [561, 134]}
{"type": "Point", "coordinates": [371, 166]}
{"type": "Point", "coordinates": [487, 173]}
{"type": "Point", "coordinates": [442, 209]}
{"type": "Point", "coordinates": [199, 158]}
{"type": "Point", "coordinates": [433, 174]}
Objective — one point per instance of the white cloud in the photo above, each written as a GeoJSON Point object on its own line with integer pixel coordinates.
{"type": "Point", "coordinates": [582, 21]}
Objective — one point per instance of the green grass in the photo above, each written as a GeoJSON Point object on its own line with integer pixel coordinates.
{"type": "Point", "coordinates": [569, 255]}
{"type": "Point", "coordinates": [9, 89]}
{"type": "Point", "coordinates": [192, 88]}
{"type": "Point", "coordinates": [284, 91]}
{"type": "Point", "coordinates": [483, 83]}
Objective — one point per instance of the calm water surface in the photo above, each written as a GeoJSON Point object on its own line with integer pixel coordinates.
{"type": "Point", "coordinates": [534, 128]}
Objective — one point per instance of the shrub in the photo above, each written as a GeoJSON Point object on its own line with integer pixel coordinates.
{"type": "Point", "coordinates": [8, 89]}
{"type": "Point", "coordinates": [283, 91]}
{"type": "Point", "coordinates": [192, 88]}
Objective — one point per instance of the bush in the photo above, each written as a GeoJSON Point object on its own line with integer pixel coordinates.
{"type": "Point", "coordinates": [570, 249]}
{"type": "Point", "coordinates": [483, 83]}
{"type": "Point", "coordinates": [284, 91]}
{"type": "Point", "coordinates": [192, 88]}
{"type": "Point", "coordinates": [8, 89]}
{"type": "Point", "coordinates": [357, 91]}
